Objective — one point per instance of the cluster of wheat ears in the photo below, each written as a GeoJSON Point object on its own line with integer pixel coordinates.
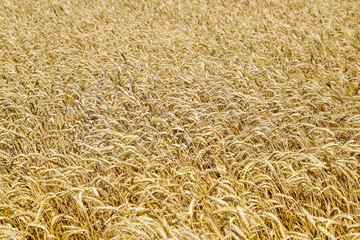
{"type": "Point", "coordinates": [179, 119]}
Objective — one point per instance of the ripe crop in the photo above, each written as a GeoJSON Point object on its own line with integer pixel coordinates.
{"type": "Point", "coordinates": [179, 119]}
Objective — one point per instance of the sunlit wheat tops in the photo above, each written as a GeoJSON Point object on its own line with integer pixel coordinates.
{"type": "Point", "coordinates": [179, 119]}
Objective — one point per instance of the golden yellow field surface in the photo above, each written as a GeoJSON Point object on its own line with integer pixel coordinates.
{"type": "Point", "coordinates": [180, 119]}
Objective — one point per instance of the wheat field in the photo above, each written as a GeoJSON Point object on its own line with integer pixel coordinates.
{"type": "Point", "coordinates": [180, 119]}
